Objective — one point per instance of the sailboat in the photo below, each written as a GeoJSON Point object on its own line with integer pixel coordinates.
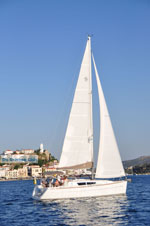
{"type": "Point", "coordinates": [77, 151]}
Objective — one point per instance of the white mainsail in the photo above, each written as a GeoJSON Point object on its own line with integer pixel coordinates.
{"type": "Point", "coordinates": [109, 163]}
{"type": "Point", "coordinates": [77, 149]}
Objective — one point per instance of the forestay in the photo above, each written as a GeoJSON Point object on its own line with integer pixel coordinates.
{"type": "Point", "coordinates": [109, 163]}
{"type": "Point", "coordinates": [77, 149]}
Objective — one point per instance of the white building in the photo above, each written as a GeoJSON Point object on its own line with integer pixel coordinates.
{"type": "Point", "coordinates": [41, 148]}
{"type": "Point", "coordinates": [27, 151]}
{"type": "Point", "coordinates": [2, 173]}
{"type": "Point", "coordinates": [5, 172]}
{"type": "Point", "coordinates": [35, 171]}
{"type": "Point", "coordinates": [23, 172]}
{"type": "Point", "coordinates": [8, 152]}
{"type": "Point", "coordinates": [11, 174]}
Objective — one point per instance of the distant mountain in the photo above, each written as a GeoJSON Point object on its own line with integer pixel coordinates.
{"type": "Point", "coordinates": [137, 162]}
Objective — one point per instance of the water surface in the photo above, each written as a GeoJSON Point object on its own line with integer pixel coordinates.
{"type": "Point", "coordinates": [18, 208]}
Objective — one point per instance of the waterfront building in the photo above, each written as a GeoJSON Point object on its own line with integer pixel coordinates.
{"type": "Point", "coordinates": [2, 172]}
{"type": "Point", "coordinates": [7, 173]}
{"type": "Point", "coordinates": [49, 168]}
{"type": "Point", "coordinates": [11, 174]}
{"type": "Point", "coordinates": [23, 172]}
{"type": "Point", "coordinates": [5, 167]}
{"type": "Point", "coordinates": [35, 171]}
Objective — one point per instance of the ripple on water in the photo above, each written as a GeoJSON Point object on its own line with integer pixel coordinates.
{"type": "Point", "coordinates": [18, 208]}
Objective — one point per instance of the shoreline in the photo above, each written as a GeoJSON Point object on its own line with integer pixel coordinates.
{"type": "Point", "coordinates": [18, 179]}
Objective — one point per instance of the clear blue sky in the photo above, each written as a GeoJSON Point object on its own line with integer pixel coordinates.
{"type": "Point", "coordinates": [41, 47]}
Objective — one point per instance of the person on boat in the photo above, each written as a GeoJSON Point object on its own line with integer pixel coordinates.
{"type": "Point", "coordinates": [43, 182]}
{"type": "Point", "coordinates": [57, 183]}
{"type": "Point", "coordinates": [61, 181]}
{"type": "Point", "coordinates": [59, 178]}
{"type": "Point", "coordinates": [65, 181]}
{"type": "Point", "coordinates": [47, 182]}
{"type": "Point", "coordinates": [52, 182]}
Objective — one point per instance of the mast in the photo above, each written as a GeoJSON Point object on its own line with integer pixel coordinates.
{"type": "Point", "coordinates": [91, 108]}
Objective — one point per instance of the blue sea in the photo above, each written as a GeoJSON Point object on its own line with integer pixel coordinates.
{"type": "Point", "coordinates": [17, 208]}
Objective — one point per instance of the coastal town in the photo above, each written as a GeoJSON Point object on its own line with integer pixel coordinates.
{"type": "Point", "coordinates": [30, 163]}
{"type": "Point", "coordinates": [26, 163]}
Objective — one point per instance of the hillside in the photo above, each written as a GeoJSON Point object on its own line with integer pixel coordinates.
{"type": "Point", "coordinates": [137, 162]}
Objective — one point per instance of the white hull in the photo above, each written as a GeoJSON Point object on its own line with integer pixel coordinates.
{"type": "Point", "coordinates": [100, 188]}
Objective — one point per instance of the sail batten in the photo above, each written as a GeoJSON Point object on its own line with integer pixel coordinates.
{"type": "Point", "coordinates": [109, 164]}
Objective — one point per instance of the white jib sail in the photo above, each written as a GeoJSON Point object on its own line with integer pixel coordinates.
{"type": "Point", "coordinates": [77, 149]}
{"type": "Point", "coordinates": [109, 163]}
